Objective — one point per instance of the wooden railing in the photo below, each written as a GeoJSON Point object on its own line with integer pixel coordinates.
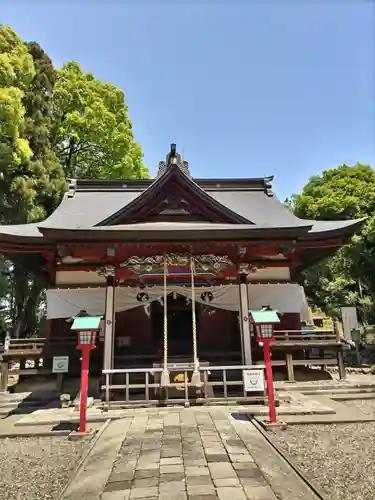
{"type": "Point", "coordinates": [219, 357]}
{"type": "Point", "coordinates": [305, 335]}
{"type": "Point", "coordinates": [31, 353]}
{"type": "Point", "coordinates": [142, 385]}
{"type": "Point", "coordinates": [35, 345]}
{"type": "Point", "coordinates": [21, 346]}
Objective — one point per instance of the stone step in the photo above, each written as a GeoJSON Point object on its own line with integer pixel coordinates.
{"type": "Point", "coordinates": [341, 413]}
{"type": "Point", "coordinates": [349, 390]}
{"type": "Point", "coordinates": [17, 404]}
{"type": "Point", "coordinates": [6, 411]}
{"type": "Point", "coordinates": [22, 403]}
{"type": "Point", "coordinates": [30, 396]}
{"type": "Point", "coordinates": [8, 396]}
{"type": "Point", "coordinates": [20, 408]}
{"type": "Point", "coordinates": [301, 387]}
{"type": "Point", "coordinates": [352, 396]}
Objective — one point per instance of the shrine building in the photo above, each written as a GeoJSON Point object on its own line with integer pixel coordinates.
{"type": "Point", "coordinates": [173, 264]}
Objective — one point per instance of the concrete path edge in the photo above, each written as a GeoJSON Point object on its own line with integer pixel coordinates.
{"type": "Point", "coordinates": [90, 480]}
{"type": "Point", "coordinates": [85, 456]}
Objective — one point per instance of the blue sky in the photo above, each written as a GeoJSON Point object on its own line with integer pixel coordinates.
{"type": "Point", "coordinates": [244, 89]}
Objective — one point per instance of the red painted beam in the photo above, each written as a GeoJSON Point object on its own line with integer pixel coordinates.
{"type": "Point", "coordinates": [122, 254]}
{"type": "Point", "coordinates": [122, 270]}
{"type": "Point", "coordinates": [23, 249]}
{"type": "Point", "coordinates": [320, 244]}
{"type": "Point", "coordinates": [52, 270]}
{"type": "Point", "coordinates": [185, 246]}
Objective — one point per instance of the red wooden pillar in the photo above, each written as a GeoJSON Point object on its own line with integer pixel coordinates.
{"type": "Point", "coordinates": [297, 321]}
{"type": "Point", "coordinates": [48, 329]}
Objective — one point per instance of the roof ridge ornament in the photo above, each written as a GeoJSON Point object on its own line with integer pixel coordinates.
{"type": "Point", "coordinates": [269, 190]}
{"type": "Point", "coordinates": [173, 158]}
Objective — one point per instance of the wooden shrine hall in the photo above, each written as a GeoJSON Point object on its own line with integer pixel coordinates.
{"type": "Point", "coordinates": [173, 264]}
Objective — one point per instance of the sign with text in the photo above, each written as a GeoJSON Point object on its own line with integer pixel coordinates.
{"type": "Point", "coordinates": [253, 380]}
{"type": "Point", "coordinates": [60, 364]}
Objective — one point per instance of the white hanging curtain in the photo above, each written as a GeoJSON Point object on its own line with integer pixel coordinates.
{"type": "Point", "coordinates": [65, 303]}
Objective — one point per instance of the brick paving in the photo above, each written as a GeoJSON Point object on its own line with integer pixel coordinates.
{"type": "Point", "coordinates": [187, 455]}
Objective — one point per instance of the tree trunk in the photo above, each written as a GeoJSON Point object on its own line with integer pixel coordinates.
{"type": "Point", "coordinates": [31, 322]}
{"type": "Point", "coordinates": [69, 168]}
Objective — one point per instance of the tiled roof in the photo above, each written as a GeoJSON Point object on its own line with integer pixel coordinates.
{"type": "Point", "coordinates": [90, 202]}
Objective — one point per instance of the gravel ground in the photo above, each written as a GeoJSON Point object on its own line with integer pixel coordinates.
{"type": "Point", "coordinates": [36, 468]}
{"type": "Point", "coordinates": [340, 459]}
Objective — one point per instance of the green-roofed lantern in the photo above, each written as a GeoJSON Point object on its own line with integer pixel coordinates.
{"type": "Point", "coordinates": [86, 326]}
{"type": "Point", "coordinates": [264, 321]}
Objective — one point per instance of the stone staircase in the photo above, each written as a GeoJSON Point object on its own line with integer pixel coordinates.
{"type": "Point", "coordinates": [339, 391]}
{"type": "Point", "coordinates": [23, 402]}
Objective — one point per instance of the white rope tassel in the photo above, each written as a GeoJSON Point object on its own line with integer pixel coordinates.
{"type": "Point", "coordinates": [164, 381]}
{"type": "Point", "coordinates": [195, 378]}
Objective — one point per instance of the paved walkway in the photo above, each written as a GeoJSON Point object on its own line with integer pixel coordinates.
{"type": "Point", "coordinates": [195, 454]}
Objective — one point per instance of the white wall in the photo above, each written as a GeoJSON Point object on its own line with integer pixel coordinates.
{"type": "Point", "coordinates": [79, 278]}
{"type": "Point", "coordinates": [271, 273]}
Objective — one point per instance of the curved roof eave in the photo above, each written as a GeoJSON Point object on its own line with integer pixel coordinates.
{"type": "Point", "coordinates": [170, 231]}
{"type": "Point", "coordinates": [322, 229]}
{"type": "Point", "coordinates": [21, 233]}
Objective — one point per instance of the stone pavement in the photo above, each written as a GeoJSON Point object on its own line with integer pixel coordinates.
{"type": "Point", "coordinates": [51, 415]}
{"type": "Point", "coordinates": [174, 455]}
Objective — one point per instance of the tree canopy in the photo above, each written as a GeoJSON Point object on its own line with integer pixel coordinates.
{"type": "Point", "coordinates": [346, 278]}
{"type": "Point", "coordinates": [54, 124]}
{"type": "Point", "coordinates": [16, 73]}
{"type": "Point", "coordinates": [92, 132]}
{"type": "Point", "coordinates": [338, 194]}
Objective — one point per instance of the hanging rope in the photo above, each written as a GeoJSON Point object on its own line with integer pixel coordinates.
{"type": "Point", "coordinates": [164, 381]}
{"type": "Point", "coordinates": [195, 378]}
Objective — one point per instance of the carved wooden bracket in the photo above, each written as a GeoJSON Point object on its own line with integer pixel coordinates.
{"type": "Point", "coordinates": [107, 271]}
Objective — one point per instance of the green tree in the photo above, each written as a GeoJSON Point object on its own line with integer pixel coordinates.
{"type": "Point", "coordinates": [43, 178]}
{"type": "Point", "coordinates": [338, 194]}
{"type": "Point", "coordinates": [16, 65]}
{"type": "Point", "coordinates": [32, 178]}
{"type": "Point", "coordinates": [4, 298]}
{"type": "Point", "coordinates": [16, 73]}
{"type": "Point", "coordinates": [92, 133]}
{"type": "Point", "coordinates": [53, 125]}
{"type": "Point", "coordinates": [345, 277]}
{"type": "Point", "coordinates": [44, 168]}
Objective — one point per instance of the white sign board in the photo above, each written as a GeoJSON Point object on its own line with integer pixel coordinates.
{"type": "Point", "coordinates": [60, 364]}
{"type": "Point", "coordinates": [349, 320]}
{"type": "Point", "coordinates": [253, 380]}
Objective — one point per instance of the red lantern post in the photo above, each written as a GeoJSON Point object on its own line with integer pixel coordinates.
{"type": "Point", "coordinates": [264, 321]}
{"type": "Point", "coordinates": [87, 328]}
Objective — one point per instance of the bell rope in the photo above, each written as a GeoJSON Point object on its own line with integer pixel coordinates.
{"type": "Point", "coordinates": [164, 380]}
{"type": "Point", "coordinates": [195, 378]}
